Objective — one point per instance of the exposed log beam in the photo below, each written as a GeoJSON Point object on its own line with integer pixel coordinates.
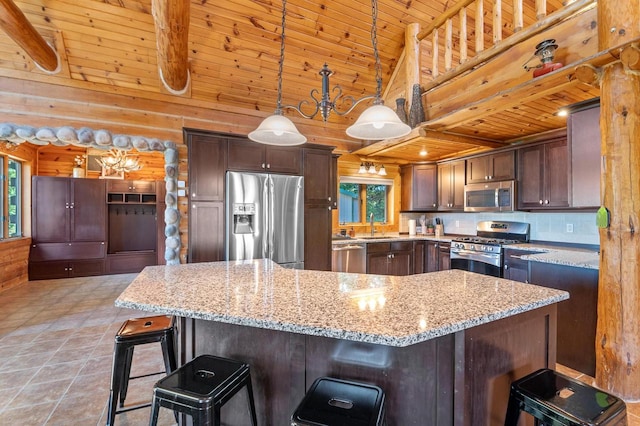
{"type": "Point", "coordinates": [630, 57]}
{"type": "Point", "coordinates": [589, 74]}
{"type": "Point", "coordinates": [456, 137]}
{"type": "Point", "coordinates": [171, 19]}
{"type": "Point", "coordinates": [18, 27]}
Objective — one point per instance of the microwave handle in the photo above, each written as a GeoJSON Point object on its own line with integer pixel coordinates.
{"type": "Point", "coordinates": [496, 199]}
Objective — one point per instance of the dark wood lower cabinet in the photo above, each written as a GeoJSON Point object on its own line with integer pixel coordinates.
{"type": "Point", "coordinates": [317, 237]}
{"type": "Point", "coordinates": [437, 256]}
{"type": "Point", "coordinates": [206, 231]}
{"type": "Point", "coordinates": [390, 258]}
{"type": "Point", "coordinates": [513, 267]}
{"type": "Point", "coordinates": [577, 316]}
{"type": "Point", "coordinates": [66, 269]}
{"type": "Point", "coordinates": [125, 263]}
{"type": "Point", "coordinates": [419, 257]}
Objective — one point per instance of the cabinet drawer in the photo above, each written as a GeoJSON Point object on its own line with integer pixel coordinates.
{"type": "Point", "coordinates": [137, 186]}
{"type": "Point", "coordinates": [402, 246]}
{"type": "Point", "coordinates": [67, 251]}
{"type": "Point", "coordinates": [378, 247]}
{"type": "Point", "coordinates": [123, 263]}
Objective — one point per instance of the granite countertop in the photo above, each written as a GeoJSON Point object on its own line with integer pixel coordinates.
{"type": "Point", "coordinates": [387, 310]}
{"type": "Point", "coordinates": [568, 256]}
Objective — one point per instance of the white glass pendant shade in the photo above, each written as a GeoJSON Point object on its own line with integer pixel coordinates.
{"type": "Point", "coordinates": [378, 122]}
{"type": "Point", "coordinates": [383, 171]}
{"type": "Point", "coordinates": [372, 169]}
{"type": "Point", "coordinates": [277, 130]}
{"type": "Point", "coordinates": [362, 168]}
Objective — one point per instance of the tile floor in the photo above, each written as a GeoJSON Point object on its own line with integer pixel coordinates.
{"type": "Point", "coordinates": [56, 343]}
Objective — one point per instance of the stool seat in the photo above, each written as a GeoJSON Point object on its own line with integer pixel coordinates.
{"type": "Point", "coordinates": [557, 400]}
{"type": "Point", "coordinates": [201, 387]}
{"type": "Point", "coordinates": [133, 332]}
{"type": "Point", "coordinates": [336, 402]}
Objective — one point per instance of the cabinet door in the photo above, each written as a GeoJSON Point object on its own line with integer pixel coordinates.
{"type": "Point", "coordinates": [457, 185]}
{"type": "Point", "coordinates": [51, 209]}
{"type": "Point", "coordinates": [530, 177]}
{"type": "Point", "coordinates": [556, 174]}
{"type": "Point", "coordinates": [317, 237]}
{"type": "Point", "coordinates": [478, 169]}
{"type": "Point", "coordinates": [432, 262]}
{"type": "Point", "coordinates": [377, 263]}
{"type": "Point", "coordinates": [424, 190]}
{"type": "Point", "coordinates": [401, 263]}
{"type": "Point", "coordinates": [515, 268]}
{"type": "Point", "coordinates": [419, 257]}
{"type": "Point", "coordinates": [583, 129]}
{"type": "Point", "coordinates": [444, 257]}
{"type": "Point", "coordinates": [502, 166]}
{"type": "Point", "coordinates": [48, 270]}
{"type": "Point", "coordinates": [283, 159]}
{"type": "Point", "coordinates": [334, 181]}
{"type": "Point", "coordinates": [89, 210]}
{"type": "Point", "coordinates": [317, 176]}
{"type": "Point", "coordinates": [207, 166]}
{"type": "Point", "coordinates": [245, 155]}
{"type": "Point", "coordinates": [206, 231]}
{"type": "Point", "coordinates": [444, 186]}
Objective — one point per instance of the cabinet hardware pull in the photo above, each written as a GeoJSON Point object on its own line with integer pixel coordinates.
{"type": "Point", "coordinates": [540, 202]}
{"type": "Point", "coordinates": [329, 208]}
{"type": "Point", "coordinates": [268, 166]}
{"type": "Point", "coordinates": [262, 165]}
{"type": "Point", "coordinates": [546, 201]}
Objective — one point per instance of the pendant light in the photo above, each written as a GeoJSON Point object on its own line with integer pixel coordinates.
{"type": "Point", "coordinates": [278, 129]}
{"type": "Point", "coordinates": [378, 121]}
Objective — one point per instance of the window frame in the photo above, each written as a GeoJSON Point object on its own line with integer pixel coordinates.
{"type": "Point", "coordinates": [5, 197]}
{"type": "Point", "coordinates": [363, 182]}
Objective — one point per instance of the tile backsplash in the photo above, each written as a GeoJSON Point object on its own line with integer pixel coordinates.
{"type": "Point", "coordinates": [544, 226]}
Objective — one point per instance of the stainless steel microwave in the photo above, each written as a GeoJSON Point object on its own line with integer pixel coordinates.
{"type": "Point", "coordinates": [490, 197]}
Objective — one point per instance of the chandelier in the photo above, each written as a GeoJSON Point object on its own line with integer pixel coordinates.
{"type": "Point", "coordinates": [119, 161]}
{"type": "Point", "coordinates": [375, 123]}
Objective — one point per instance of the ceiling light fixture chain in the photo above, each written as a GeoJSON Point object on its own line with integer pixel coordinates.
{"type": "Point", "coordinates": [281, 61]}
{"type": "Point", "coordinates": [376, 54]}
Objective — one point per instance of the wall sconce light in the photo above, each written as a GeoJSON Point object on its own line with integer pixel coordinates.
{"type": "Point", "coordinates": [370, 168]}
{"type": "Point", "coordinates": [544, 51]}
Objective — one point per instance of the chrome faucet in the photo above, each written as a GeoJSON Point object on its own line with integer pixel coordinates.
{"type": "Point", "coordinates": [373, 230]}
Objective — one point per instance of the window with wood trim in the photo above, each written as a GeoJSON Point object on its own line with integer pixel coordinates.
{"type": "Point", "coordinates": [359, 197]}
{"type": "Point", "coordinates": [11, 198]}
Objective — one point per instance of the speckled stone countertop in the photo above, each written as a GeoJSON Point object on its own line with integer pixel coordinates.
{"type": "Point", "coordinates": [393, 311]}
{"type": "Point", "coordinates": [576, 257]}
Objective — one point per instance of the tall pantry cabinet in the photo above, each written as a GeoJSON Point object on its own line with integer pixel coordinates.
{"type": "Point", "coordinates": [69, 227]}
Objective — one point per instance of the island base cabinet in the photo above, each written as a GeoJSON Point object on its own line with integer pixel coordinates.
{"type": "Point", "coordinates": [462, 378]}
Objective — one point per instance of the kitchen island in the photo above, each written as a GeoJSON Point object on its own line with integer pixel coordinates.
{"type": "Point", "coordinates": [444, 346]}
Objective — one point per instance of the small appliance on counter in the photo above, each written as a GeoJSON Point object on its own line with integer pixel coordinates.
{"type": "Point", "coordinates": [483, 253]}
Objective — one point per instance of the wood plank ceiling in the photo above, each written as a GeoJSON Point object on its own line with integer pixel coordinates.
{"type": "Point", "coordinates": [234, 50]}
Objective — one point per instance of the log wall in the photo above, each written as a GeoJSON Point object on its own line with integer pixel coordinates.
{"type": "Point", "coordinates": [14, 262]}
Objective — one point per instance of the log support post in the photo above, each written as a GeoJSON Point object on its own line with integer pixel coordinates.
{"type": "Point", "coordinates": [18, 27]}
{"type": "Point", "coordinates": [618, 329]}
{"type": "Point", "coordinates": [171, 19]}
{"type": "Point", "coordinates": [412, 60]}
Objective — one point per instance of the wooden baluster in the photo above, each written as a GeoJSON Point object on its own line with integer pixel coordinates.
{"type": "Point", "coordinates": [479, 26]}
{"type": "Point", "coordinates": [541, 9]}
{"type": "Point", "coordinates": [448, 44]}
{"type": "Point", "coordinates": [518, 22]}
{"type": "Point", "coordinates": [463, 34]}
{"type": "Point", "coordinates": [435, 53]}
{"type": "Point", "coordinates": [497, 21]}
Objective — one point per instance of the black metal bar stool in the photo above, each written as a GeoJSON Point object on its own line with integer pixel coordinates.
{"type": "Point", "coordinates": [557, 400]}
{"type": "Point", "coordinates": [138, 331]}
{"type": "Point", "coordinates": [201, 387]}
{"type": "Point", "coordinates": [335, 402]}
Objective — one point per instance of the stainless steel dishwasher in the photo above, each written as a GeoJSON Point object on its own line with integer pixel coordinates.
{"type": "Point", "coordinates": [350, 257]}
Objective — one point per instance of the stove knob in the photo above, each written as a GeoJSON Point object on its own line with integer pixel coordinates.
{"type": "Point", "coordinates": [472, 247]}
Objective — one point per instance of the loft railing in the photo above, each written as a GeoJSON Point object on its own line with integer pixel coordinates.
{"type": "Point", "coordinates": [510, 24]}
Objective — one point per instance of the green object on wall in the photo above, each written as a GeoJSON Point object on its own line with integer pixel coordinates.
{"type": "Point", "coordinates": [602, 217]}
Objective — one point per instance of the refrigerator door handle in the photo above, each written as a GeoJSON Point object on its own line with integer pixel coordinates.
{"type": "Point", "coordinates": [267, 197]}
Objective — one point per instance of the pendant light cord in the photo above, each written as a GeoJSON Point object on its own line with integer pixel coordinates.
{"type": "Point", "coordinates": [376, 55]}
{"type": "Point", "coordinates": [280, 65]}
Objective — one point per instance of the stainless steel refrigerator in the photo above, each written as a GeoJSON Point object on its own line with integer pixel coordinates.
{"type": "Point", "coordinates": [265, 218]}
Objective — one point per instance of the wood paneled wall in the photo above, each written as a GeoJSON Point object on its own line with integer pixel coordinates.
{"type": "Point", "coordinates": [14, 262]}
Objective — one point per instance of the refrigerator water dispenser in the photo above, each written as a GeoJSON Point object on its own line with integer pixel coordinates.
{"type": "Point", "coordinates": [243, 216]}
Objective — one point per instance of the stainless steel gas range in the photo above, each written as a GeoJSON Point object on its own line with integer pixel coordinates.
{"type": "Point", "coordinates": [483, 253]}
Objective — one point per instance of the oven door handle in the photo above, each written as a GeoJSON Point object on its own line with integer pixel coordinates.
{"type": "Point", "coordinates": [470, 253]}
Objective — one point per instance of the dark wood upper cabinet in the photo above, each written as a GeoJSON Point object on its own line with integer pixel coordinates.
{"type": "Point", "coordinates": [131, 186]}
{"type": "Point", "coordinates": [318, 166]}
{"type": "Point", "coordinates": [419, 187]}
{"type": "Point", "coordinates": [245, 155]}
{"type": "Point", "coordinates": [451, 180]}
{"type": "Point", "coordinates": [583, 132]}
{"type": "Point", "coordinates": [207, 166]}
{"type": "Point", "coordinates": [491, 167]}
{"type": "Point", "coordinates": [543, 176]}
{"type": "Point", "coordinates": [68, 209]}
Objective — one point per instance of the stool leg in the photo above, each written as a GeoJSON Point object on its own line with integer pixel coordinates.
{"type": "Point", "coordinates": [252, 406]}
{"type": "Point", "coordinates": [155, 409]}
{"type": "Point", "coordinates": [513, 412]}
{"type": "Point", "coordinates": [169, 356]}
{"type": "Point", "coordinates": [119, 360]}
{"type": "Point", "coordinates": [126, 374]}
